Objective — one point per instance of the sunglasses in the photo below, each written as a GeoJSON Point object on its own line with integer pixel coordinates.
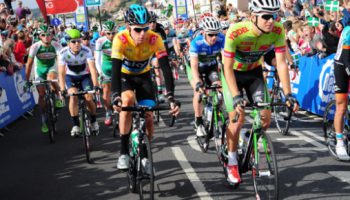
{"type": "Point", "coordinates": [268, 17]}
{"type": "Point", "coordinates": [75, 41]}
{"type": "Point", "coordinates": [139, 30]}
{"type": "Point", "coordinates": [224, 29]}
{"type": "Point", "coordinates": [110, 33]}
{"type": "Point", "coordinates": [152, 22]}
{"type": "Point", "coordinates": [45, 34]}
{"type": "Point", "coordinates": [86, 39]}
{"type": "Point", "coordinates": [212, 35]}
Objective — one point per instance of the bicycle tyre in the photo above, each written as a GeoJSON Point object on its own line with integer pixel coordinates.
{"type": "Point", "coordinates": [86, 133]}
{"type": "Point", "coordinates": [280, 112]}
{"type": "Point", "coordinates": [50, 119]}
{"type": "Point", "coordinates": [132, 170]}
{"type": "Point", "coordinates": [265, 170]}
{"type": "Point", "coordinates": [218, 134]}
{"type": "Point", "coordinates": [146, 182]}
{"type": "Point", "coordinates": [328, 129]}
{"type": "Point", "coordinates": [203, 142]}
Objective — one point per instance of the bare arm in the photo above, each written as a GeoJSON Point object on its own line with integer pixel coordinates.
{"type": "Point", "coordinates": [283, 72]}
{"type": "Point", "coordinates": [93, 72]}
{"type": "Point", "coordinates": [29, 67]}
{"type": "Point", "coordinates": [194, 69]}
{"type": "Point", "coordinates": [62, 76]}
{"type": "Point", "coordinates": [230, 76]}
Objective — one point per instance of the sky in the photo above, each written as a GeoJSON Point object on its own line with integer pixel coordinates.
{"type": "Point", "coordinates": [26, 3]}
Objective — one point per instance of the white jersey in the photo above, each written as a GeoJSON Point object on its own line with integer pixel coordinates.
{"type": "Point", "coordinates": [76, 64]}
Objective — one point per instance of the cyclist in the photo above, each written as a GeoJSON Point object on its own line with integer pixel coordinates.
{"type": "Point", "coordinates": [224, 26]}
{"type": "Point", "coordinates": [181, 44]}
{"type": "Point", "coordinates": [158, 28]}
{"type": "Point", "coordinates": [131, 78]}
{"type": "Point", "coordinates": [85, 39]}
{"type": "Point", "coordinates": [204, 50]}
{"type": "Point", "coordinates": [76, 69]}
{"type": "Point", "coordinates": [103, 51]}
{"type": "Point", "coordinates": [245, 44]}
{"type": "Point", "coordinates": [341, 73]}
{"type": "Point", "coordinates": [44, 54]}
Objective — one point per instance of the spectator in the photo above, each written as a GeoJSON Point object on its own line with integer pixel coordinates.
{"type": "Point", "coordinates": [9, 6]}
{"type": "Point", "coordinates": [28, 41]}
{"type": "Point", "coordinates": [2, 28]}
{"type": "Point", "coordinates": [19, 48]}
{"type": "Point", "coordinates": [330, 39]}
{"type": "Point", "coordinates": [8, 56]}
{"type": "Point", "coordinates": [22, 12]}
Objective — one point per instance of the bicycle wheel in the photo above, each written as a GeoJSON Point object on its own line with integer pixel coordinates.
{"type": "Point", "coordinates": [281, 113]}
{"type": "Point", "coordinates": [115, 125]}
{"type": "Point", "coordinates": [218, 130]}
{"type": "Point", "coordinates": [86, 133]}
{"type": "Point", "coordinates": [146, 176]}
{"type": "Point", "coordinates": [328, 128]}
{"type": "Point", "coordinates": [264, 169]}
{"type": "Point", "coordinates": [50, 112]}
{"type": "Point", "coordinates": [132, 170]}
{"type": "Point", "coordinates": [203, 142]}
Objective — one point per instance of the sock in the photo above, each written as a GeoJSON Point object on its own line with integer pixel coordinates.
{"type": "Point", "coordinates": [340, 140]}
{"type": "Point", "coordinates": [232, 158]}
{"type": "Point", "coordinates": [199, 121]}
{"type": "Point", "coordinates": [75, 120]}
{"type": "Point", "coordinates": [124, 149]}
{"type": "Point", "coordinates": [93, 118]}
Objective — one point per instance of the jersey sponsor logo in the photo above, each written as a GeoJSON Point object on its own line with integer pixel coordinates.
{"type": "Point", "coordinates": [4, 107]}
{"type": "Point", "coordinates": [238, 32]}
{"type": "Point", "coordinates": [247, 43]}
{"type": "Point", "coordinates": [123, 39]}
{"type": "Point", "coordinates": [23, 96]}
{"type": "Point", "coordinates": [161, 54]}
{"type": "Point", "coordinates": [46, 56]}
{"type": "Point", "coordinates": [264, 47]}
{"type": "Point", "coordinates": [277, 30]}
{"type": "Point", "coordinates": [152, 39]}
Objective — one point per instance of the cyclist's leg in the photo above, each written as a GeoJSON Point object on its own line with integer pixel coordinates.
{"type": "Point", "coordinates": [41, 74]}
{"type": "Point", "coordinates": [52, 75]}
{"type": "Point", "coordinates": [341, 99]}
{"type": "Point", "coordinates": [86, 84]}
{"type": "Point", "coordinates": [72, 87]}
{"type": "Point", "coordinates": [106, 85]}
{"type": "Point", "coordinates": [258, 91]}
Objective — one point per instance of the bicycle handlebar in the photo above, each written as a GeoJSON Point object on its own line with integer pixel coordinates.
{"type": "Point", "coordinates": [80, 93]}
{"type": "Point", "coordinates": [43, 81]}
{"type": "Point", "coordinates": [145, 108]}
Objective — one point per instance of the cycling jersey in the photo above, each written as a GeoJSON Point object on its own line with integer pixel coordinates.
{"type": "Point", "coordinates": [206, 54]}
{"type": "Point", "coordinates": [170, 37]}
{"type": "Point", "coordinates": [76, 64]}
{"type": "Point", "coordinates": [135, 59]}
{"type": "Point", "coordinates": [344, 43]}
{"type": "Point", "coordinates": [103, 50]}
{"type": "Point", "coordinates": [341, 67]}
{"type": "Point", "coordinates": [182, 38]}
{"type": "Point", "coordinates": [45, 58]}
{"type": "Point", "coordinates": [247, 49]}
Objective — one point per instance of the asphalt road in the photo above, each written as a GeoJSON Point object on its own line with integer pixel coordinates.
{"type": "Point", "coordinates": [32, 168]}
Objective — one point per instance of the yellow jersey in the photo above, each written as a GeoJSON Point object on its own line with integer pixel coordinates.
{"type": "Point", "coordinates": [136, 58]}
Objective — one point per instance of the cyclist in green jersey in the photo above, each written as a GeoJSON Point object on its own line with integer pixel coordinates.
{"type": "Point", "coordinates": [103, 50]}
{"type": "Point", "coordinates": [44, 53]}
{"type": "Point", "coordinates": [245, 44]}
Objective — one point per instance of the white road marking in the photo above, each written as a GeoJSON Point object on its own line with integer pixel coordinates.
{"type": "Point", "coordinates": [308, 149]}
{"type": "Point", "coordinates": [289, 139]}
{"type": "Point", "coordinates": [312, 134]}
{"type": "Point", "coordinates": [309, 140]}
{"type": "Point", "coordinates": [193, 143]}
{"type": "Point", "coordinates": [342, 175]}
{"type": "Point", "coordinates": [191, 174]}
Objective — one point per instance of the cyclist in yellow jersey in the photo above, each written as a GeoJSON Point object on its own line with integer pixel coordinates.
{"type": "Point", "coordinates": [245, 44]}
{"type": "Point", "coordinates": [131, 78]}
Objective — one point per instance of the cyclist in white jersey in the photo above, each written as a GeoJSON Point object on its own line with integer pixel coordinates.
{"type": "Point", "coordinates": [44, 53]}
{"type": "Point", "coordinates": [103, 50]}
{"type": "Point", "coordinates": [76, 68]}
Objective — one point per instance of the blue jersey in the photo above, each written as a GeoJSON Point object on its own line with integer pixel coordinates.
{"type": "Point", "coordinates": [344, 43]}
{"type": "Point", "coordinates": [206, 54]}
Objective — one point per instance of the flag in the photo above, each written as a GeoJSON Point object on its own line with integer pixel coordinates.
{"type": "Point", "coordinates": [313, 21]}
{"type": "Point", "coordinates": [53, 7]}
{"type": "Point", "coordinates": [332, 6]}
{"type": "Point", "coordinates": [295, 58]}
{"type": "Point", "coordinates": [307, 14]}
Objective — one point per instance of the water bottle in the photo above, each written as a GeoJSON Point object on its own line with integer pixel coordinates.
{"type": "Point", "coordinates": [135, 140]}
{"type": "Point", "coordinates": [209, 111]}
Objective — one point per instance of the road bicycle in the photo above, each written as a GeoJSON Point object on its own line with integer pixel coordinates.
{"type": "Point", "coordinates": [140, 179]}
{"type": "Point", "coordinates": [329, 130]}
{"type": "Point", "coordinates": [85, 123]}
{"type": "Point", "coordinates": [256, 154]}
{"type": "Point", "coordinates": [50, 109]}
{"type": "Point", "coordinates": [281, 114]}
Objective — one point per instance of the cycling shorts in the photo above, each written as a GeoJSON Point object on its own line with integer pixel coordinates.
{"type": "Point", "coordinates": [82, 82]}
{"type": "Point", "coordinates": [42, 72]}
{"type": "Point", "coordinates": [141, 84]}
{"type": "Point", "coordinates": [208, 75]}
{"type": "Point", "coordinates": [252, 82]}
{"type": "Point", "coordinates": [341, 79]}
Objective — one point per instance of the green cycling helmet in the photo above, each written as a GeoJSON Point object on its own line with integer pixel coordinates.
{"type": "Point", "coordinates": [109, 26]}
{"type": "Point", "coordinates": [43, 29]}
{"type": "Point", "coordinates": [72, 34]}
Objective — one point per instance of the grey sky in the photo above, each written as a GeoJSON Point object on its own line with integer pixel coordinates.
{"type": "Point", "coordinates": [26, 3]}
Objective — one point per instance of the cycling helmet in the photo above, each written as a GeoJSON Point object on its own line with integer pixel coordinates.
{"type": "Point", "coordinates": [72, 34]}
{"type": "Point", "coordinates": [43, 29]}
{"type": "Point", "coordinates": [109, 26]}
{"type": "Point", "coordinates": [206, 15]}
{"type": "Point", "coordinates": [166, 24]}
{"type": "Point", "coordinates": [224, 24]}
{"type": "Point", "coordinates": [179, 20]}
{"type": "Point", "coordinates": [137, 15]}
{"type": "Point", "coordinates": [85, 35]}
{"type": "Point", "coordinates": [269, 6]}
{"type": "Point", "coordinates": [153, 16]}
{"type": "Point", "coordinates": [95, 27]}
{"type": "Point", "coordinates": [210, 24]}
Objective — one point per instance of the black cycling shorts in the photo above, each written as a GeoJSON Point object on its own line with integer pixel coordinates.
{"type": "Point", "coordinates": [141, 84]}
{"type": "Point", "coordinates": [341, 79]}
{"type": "Point", "coordinates": [209, 75]}
{"type": "Point", "coordinates": [253, 83]}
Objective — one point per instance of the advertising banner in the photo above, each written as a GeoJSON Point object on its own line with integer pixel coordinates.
{"type": "Point", "coordinates": [181, 8]}
{"type": "Point", "coordinates": [14, 101]}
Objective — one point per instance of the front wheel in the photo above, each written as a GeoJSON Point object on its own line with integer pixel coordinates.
{"type": "Point", "coordinates": [51, 119]}
{"type": "Point", "coordinates": [86, 134]}
{"type": "Point", "coordinates": [281, 113]}
{"type": "Point", "coordinates": [146, 175]}
{"type": "Point", "coordinates": [264, 169]}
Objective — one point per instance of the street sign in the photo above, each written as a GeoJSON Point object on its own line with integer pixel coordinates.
{"type": "Point", "coordinates": [55, 22]}
{"type": "Point", "coordinates": [92, 3]}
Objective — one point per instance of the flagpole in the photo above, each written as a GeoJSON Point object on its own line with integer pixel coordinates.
{"type": "Point", "coordinates": [99, 17]}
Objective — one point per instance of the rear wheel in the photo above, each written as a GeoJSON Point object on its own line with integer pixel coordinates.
{"type": "Point", "coordinates": [146, 176]}
{"type": "Point", "coordinates": [132, 170]}
{"type": "Point", "coordinates": [281, 113]}
{"type": "Point", "coordinates": [264, 169]}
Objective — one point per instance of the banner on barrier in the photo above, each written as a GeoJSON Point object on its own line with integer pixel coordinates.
{"type": "Point", "coordinates": [14, 101]}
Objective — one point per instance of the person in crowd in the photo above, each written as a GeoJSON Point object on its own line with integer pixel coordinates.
{"type": "Point", "coordinates": [22, 12]}
{"type": "Point", "coordinates": [9, 6]}
{"type": "Point", "coordinates": [20, 48]}
{"type": "Point", "coordinates": [7, 52]}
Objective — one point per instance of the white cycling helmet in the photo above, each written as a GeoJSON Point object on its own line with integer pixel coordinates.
{"type": "Point", "coordinates": [269, 6]}
{"type": "Point", "coordinates": [210, 24]}
{"type": "Point", "coordinates": [166, 24]}
{"type": "Point", "coordinates": [224, 24]}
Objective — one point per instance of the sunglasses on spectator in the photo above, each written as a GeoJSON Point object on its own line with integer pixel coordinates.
{"type": "Point", "coordinates": [269, 16]}
{"type": "Point", "coordinates": [139, 29]}
{"type": "Point", "coordinates": [75, 41]}
{"type": "Point", "coordinates": [110, 33]}
{"type": "Point", "coordinates": [213, 34]}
